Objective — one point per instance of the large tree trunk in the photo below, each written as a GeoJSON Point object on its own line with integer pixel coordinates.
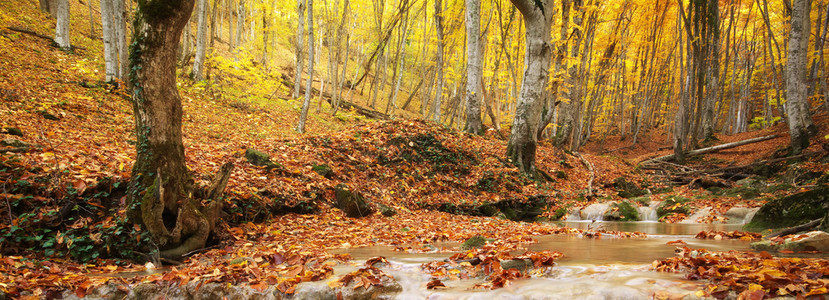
{"type": "Point", "coordinates": [62, 26]}
{"type": "Point", "coordinates": [473, 67]}
{"type": "Point", "coordinates": [120, 26]}
{"type": "Point", "coordinates": [110, 44]}
{"type": "Point", "coordinates": [160, 183]}
{"type": "Point", "coordinates": [523, 138]}
{"type": "Point", "coordinates": [201, 42]}
{"type": "Point", "coordinates": [303, 115]}
{"type": "Point", "coordinates": [713, 65]}
{"type": "Point", "coordinates": [438, 61]}
{"type": "Point", "coordinates": [49, 6]}
{"type": "Point", "coordinates": [799, 118]}
{"type": "Point", "coordinates": [300, 38]}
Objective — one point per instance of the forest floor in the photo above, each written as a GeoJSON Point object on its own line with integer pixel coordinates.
{"type": "Point", "coordinates": [62, 221]}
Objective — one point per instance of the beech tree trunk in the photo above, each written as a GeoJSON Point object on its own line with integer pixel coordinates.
{"type": "Point", "coordinates": [797, 108]}
{"type": "Point", "coordinates": [201, 42]}
{"type": "Point", "coordinates": [62, 27]}
{"type": "Point", "coordinates": [303, 115]}
{"type": "Point", "coordinates": [300, 38]}
{"type": "Point", "coordinates": [160, 184]}
{"type": "Point", "coordinates": [713, 65]}
{"type": "Point", "coordinates": [438, 61]}
{"type": "Point", "coordinates": [49, 6]}
{"type": "Point", "coordinates": [110, 44]}
{"type": "Point", "coordinates": [120, 26]}
{"type": "Point", "coordinates": [473, 67]}
{"type": "Point", "coordinates": [523, 139]}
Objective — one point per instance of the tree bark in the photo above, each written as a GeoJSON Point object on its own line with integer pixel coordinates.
{"type": "Point", "coordinates": [160, 182]}
{"type": "Point", "coordinates": [300, 39]}
{"type": "Point", "coordinates": [523, 140]}
{"type": "Point", "coordinates": [62, 26]}
{"type": "Point", "coordinates": [713, 76]}
{"type": "Point", "coordinates": [201, 41]}
{"type": "Point", "coordinates": [308, 85]}
{"type": "Point", "coordinates": [799, 117]}
{"type": "Point", "coordinates": [110, 43]}
{"type": "Point", "coordinates": [438, 61]}
{"type": "Point", "coordinates": [473, 67]}
{"type": "Point", "coordinates": [49, 6]}
{"type": "Point", "coordinates": [120, 26]}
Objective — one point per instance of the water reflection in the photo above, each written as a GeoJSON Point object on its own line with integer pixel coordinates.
{"type": "Point", "coordinates": [651, 228]}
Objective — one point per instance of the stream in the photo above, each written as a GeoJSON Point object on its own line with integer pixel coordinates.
{"type": "Point", "coordinates": [606, 268]}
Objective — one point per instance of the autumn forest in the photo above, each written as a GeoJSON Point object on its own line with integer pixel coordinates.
{"type": "Point", "coordinates": [410, 149]}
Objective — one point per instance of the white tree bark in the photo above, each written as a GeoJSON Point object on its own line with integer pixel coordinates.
{"type": "Point", "coordinates": [473, 67]}
{"type": "Point", "coordinates": [201, 41]}
{"type": "Point", "coordinates": [438, 60]}
{"type": "Point", "coordinates": [240, 23]}
{"type": "Point", "coordinates": [62, 27]}
{"type": "Point", "coordinates": [307, 102]}
{"type": "Point", "coordinates": [300, 40]}
{"type": "Point", "coordinates": [120, 26]}
{"type": "Point", "coordinates": [110, 44]}
{"type": "Point", "coordinates": [523, 138]}
{"type": "Point", "coordinates": [797, 106]}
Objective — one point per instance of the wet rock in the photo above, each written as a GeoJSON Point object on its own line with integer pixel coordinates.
{"type": "Point", "coordinates": [258, 158]}
{"type": "Point", "coordinates": [522, 265]}
{"type": "Point", "coordinates": [14, 131]}
{"type": "Point", "coordinates": [474, 242]}
{"type": "Point", "coordinates": [351, 203]}
{"type": "Point", "coordinates": [323, 170]}
{"type": "Point", "coordinates": [312, 291]}
{"type": "Point", "coordinates": [627, 189]}
{"type": "Point", "coordinates": [791, 210]}
{"type": "Point", "coordinates": [814, 241]}
{"type": "Point", "coordinates": [387, 289]}
{"type": "Point", "coordinates": [739, 215]}
{"type": "Point", "coordinates": [621, 211]}
{"type": "Point", "coordinates": [386, 210]}
{"type": "Point", "coordinates": [2, 295]}
{"type": "Point", "coordinates": [106, 292]}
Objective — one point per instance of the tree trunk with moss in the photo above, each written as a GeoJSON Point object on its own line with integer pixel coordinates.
{"type": "Point", "coordinates": [538, 16]}
{"type": "Point", "coordinates": [800, 123]}
{"type": "Point", "coordinates": [160, 191]}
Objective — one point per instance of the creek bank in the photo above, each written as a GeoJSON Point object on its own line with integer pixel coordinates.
{"type": "Point", "coordinates": [214, 290]}
{"type": "Point", "coordinates": [516, 209]}
{"type": "Point", "coordinates": [792, 210]}
{"type": "Point", "coordinates": [810, 241]}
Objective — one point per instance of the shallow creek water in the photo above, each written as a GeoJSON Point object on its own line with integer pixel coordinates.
{"type": "Point", "coordinates": [606, 268]}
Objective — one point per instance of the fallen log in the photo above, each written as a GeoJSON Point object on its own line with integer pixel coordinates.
{"type": "Point", "coordinates": [711, 149]}
{"type": "Point", "coordinates": [792, 230]}
{"type": "Point", "coordinates": [762, 162]}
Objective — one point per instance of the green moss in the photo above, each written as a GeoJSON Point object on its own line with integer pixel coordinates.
{"type": "Point", "coordinates": [386, 210]}
{"type": "Point", "coordinates": [323, 170]}
{"type": "Point", "coordinates": [627, 189]}
{"type": "Point", "coordinates": [673, 204]}
{"type": "Point", "coordinates": [791, 210]}
{"type": "Point", "coordinates": [622, 211]}
{"type": "Point", "coordinates": [474, 242]}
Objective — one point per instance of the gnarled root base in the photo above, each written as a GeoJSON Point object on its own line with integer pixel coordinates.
{"type": "Point", "coordinates": [193, 221]}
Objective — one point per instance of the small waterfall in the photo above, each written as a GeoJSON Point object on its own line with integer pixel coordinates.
{"type": "Point", "coordinates": [594, 212]}
{"type": "Point", "coordinates": [647, 213]}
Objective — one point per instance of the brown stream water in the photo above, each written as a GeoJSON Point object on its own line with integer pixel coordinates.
{"type": "Point", "coordinates": [606, 268]}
